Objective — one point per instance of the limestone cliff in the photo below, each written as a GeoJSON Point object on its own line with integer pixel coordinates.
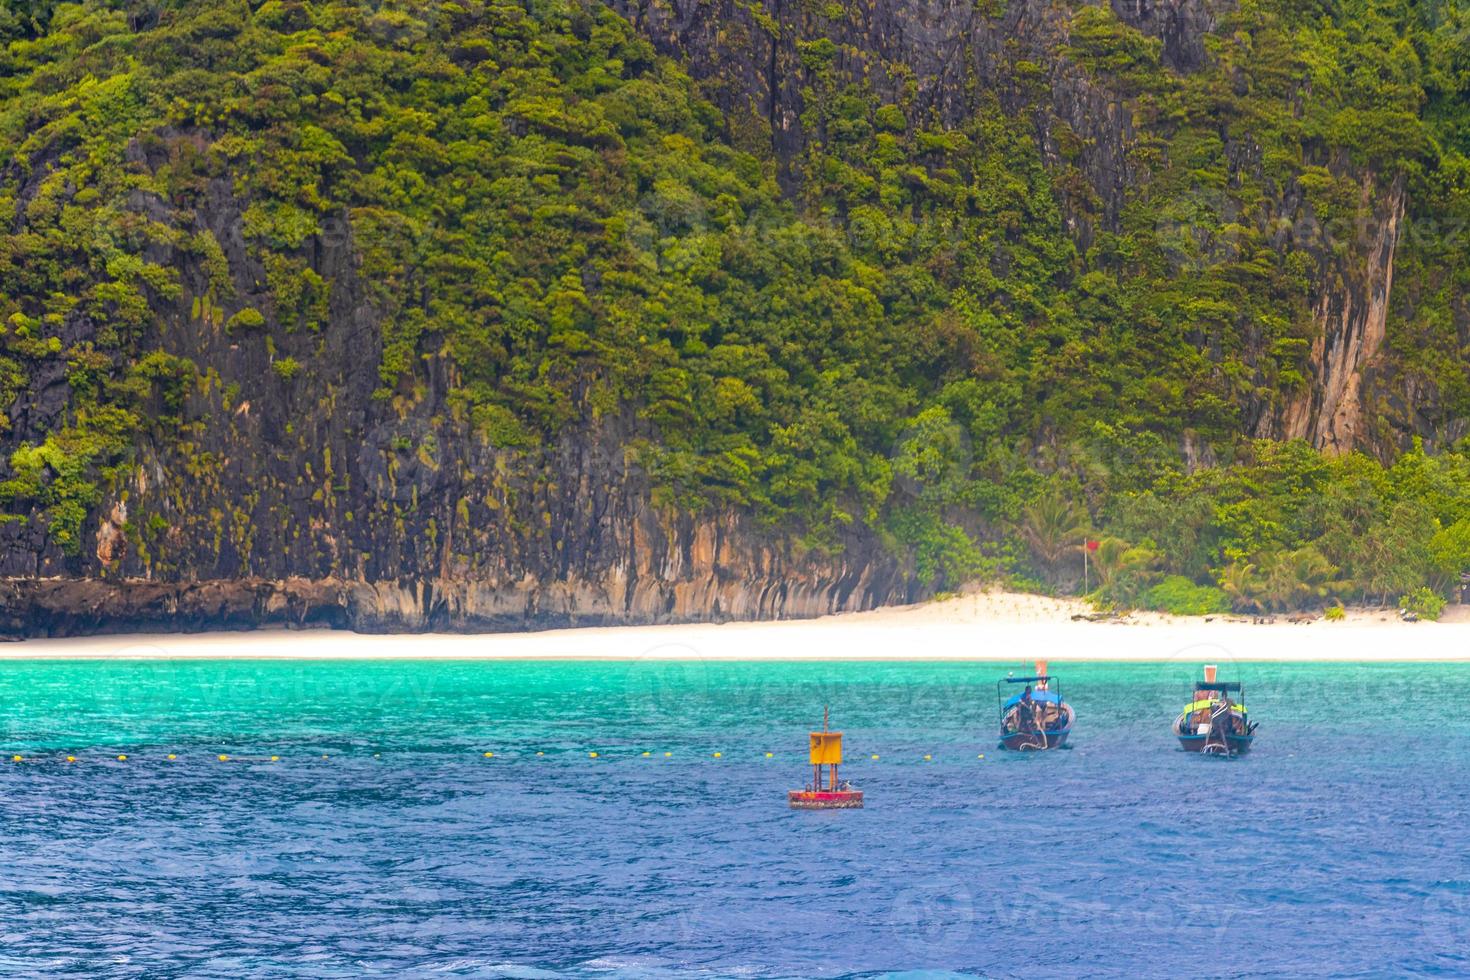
{"type": "Point", "coordinates": [274, 496]}
{"type": "Point", "coordinates": [1352, 314]}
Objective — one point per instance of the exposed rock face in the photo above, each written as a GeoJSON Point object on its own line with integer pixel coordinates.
{"type": "Point", "coordinates": [951, 52]}
{"type": "Point", "coordinates": [1352, 314]}
{"type": "Point", "coordinates": [494, 541]}
{"type": "Point", "coordinates": [111, 541]}
{"type": "Point", "coordinates": [1180, 24]}
{"type": "Point", "coordinates": [330, 507]}
{"type": "Point", "coordinates": [700, 578]}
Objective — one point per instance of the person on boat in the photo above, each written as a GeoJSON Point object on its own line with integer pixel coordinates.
{"type": "Point", "coordinates": [1025, 711]}
{"type": "Point", "coordinates": [1228, 715]}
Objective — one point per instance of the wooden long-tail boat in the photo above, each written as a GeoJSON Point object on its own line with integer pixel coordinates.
{"type": "Point", "coordinates": [1214, 722]}
{"type": "Point", "coordinates": [1037, 718]}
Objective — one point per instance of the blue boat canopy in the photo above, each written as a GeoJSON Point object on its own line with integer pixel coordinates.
{"type": "Point", "coordinates": [1041, 697]}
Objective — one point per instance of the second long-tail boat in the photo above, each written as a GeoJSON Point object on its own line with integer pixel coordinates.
{"type": "Point", "coordinates": [1215, 721]}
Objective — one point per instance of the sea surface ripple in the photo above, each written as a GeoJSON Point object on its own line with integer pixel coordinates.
{"type": "Point", "coordinates": [384, 841]}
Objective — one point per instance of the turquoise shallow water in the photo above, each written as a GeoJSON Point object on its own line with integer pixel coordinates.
{"type": "Point", "coordinates": [1339, 847]}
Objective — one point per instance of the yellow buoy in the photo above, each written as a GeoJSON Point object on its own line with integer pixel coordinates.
{"type": "Point", "coordinates": [875, 758]}
{"type": "Point", "coordinates": [71, 758]}
{"type": "Point", "coordinates": [171, 758]}
{"type": "Point", "coordinates": [275, 758]}
{"type": "Point", "coordinates": [592, 755]}
{"type": "Point", "coordinates": [224, 758]}
{"type": "Point", "coordinates": [770, 755]}
{"type": "Point", "coordinates": [122, 758]}
{"type": "Point", "coordinates": [15, 758]}
{"type": "Point", "coordinates": [668, 754]}
{"type": "Point", "coordinates": [825, 752]}
{"type": "Point", "coordinates": [928, 758]}
{"type": "Point", "coordinates": [647, 754]}
{"type": "Point", "coordinates": [489, 755]}
{"type": "Point", "coordinates": [540, 753]}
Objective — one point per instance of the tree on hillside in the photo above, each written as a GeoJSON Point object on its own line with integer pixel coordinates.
{"type": "Point", "coordinates": [1054, 526]}
{"type": "Point", "coordinates": [1296, 579]}
{"type": "Point", "coordinates": [1241, 583]}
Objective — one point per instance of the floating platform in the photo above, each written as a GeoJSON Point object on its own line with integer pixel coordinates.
{"type": "Point", "coordinates": [850, 799]}
{"type": "Point", "coordinates": [826, 750]}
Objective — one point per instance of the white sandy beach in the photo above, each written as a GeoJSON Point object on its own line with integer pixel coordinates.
{"type": "Point", "coordinates": [982, 626]}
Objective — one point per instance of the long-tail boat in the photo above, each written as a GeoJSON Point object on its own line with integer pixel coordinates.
{"type": "Point", "coordinates": [1036, 718]}
{"type": "Point", "coordinates": [1215, 721]}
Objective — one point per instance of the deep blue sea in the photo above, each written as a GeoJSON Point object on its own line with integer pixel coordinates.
{"type": "Point", "coordinates": [383, 841]}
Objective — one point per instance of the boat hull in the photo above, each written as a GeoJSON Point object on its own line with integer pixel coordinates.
{"type": "Point", "coordinates": [1040, 741]}
{"type": "Point", "coordinates": [847, 799]}
{"type": "Point", "coordinates": [1033, 741]}
{"type": "Point", "coordinates": [1238, 739]}
{"type": "Point", "coordinates": [1237, 744]}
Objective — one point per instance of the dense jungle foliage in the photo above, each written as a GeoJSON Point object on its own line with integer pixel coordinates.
{"type": "Point", "coordinates": [917, 339]}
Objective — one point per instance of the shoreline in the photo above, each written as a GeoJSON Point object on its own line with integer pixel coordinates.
{"type": "Point", "coordinates": [982, 626]}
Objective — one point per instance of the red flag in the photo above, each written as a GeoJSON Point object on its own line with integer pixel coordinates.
{"type": "Point", "coordinates": [1093, 545]}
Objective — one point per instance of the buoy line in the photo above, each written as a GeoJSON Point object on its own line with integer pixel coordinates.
{"type": "Point", "coordinates": [598, 754]}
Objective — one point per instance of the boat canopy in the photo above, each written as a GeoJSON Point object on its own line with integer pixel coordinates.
{"type": "Point", "coordinates": [1209, 703]}
{"type": "Point", "coordinates": [1212, 686]}
{"type": "Point", "coordinates": [1040, 697]}
{"type": "Point", "coordinates": [1027, 680]}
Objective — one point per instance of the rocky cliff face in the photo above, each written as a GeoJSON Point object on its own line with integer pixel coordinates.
{"type": "Point", "coordinates": [940, 55]}
{"type": "Point", "coordinates": [937, 56]}
{"type": "Point", "coordinates": [1351, 308]}
{"type": "Point", "coordinates": [698, 572]}
{"type": "Point", "coordinates": [332, 507]}
{"type": "Point", "coordinates": [449, 537]}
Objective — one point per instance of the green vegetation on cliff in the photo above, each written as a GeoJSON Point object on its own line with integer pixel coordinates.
{"type": "Point", "coordinates": [948, 333]}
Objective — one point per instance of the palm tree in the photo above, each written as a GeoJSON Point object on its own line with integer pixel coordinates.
{"type": "Point", "coordinates": [1241, 583]}
{"type": "Point", "coordinates": [1054, 526]}
{"type": "Point", "coordinates": [1124, 571]}
{"type": "Point", "coordinates": [1278, 583]}
{"type": "Point", "coordinates": [1316, 577]}
{"type": "Point", "coordinates": [1110, 558]}
{"type": "Point", "coordinates": [1295, 579]}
